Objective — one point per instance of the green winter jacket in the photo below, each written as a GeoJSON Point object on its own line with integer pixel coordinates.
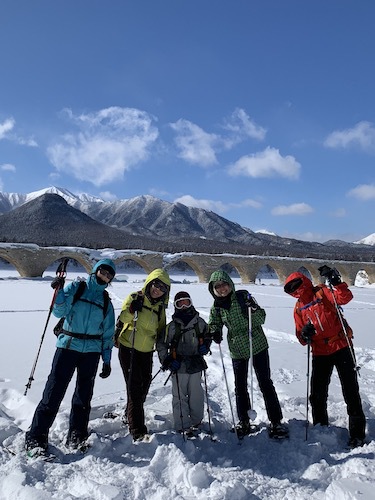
{"type": "Point", "coordinates": [237, 324]}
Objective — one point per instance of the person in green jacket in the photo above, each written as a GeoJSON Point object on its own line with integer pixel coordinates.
{"type": "Point", "coordinates": [141, 321]}
{"type": "Point", "coordinates": [228, 310]}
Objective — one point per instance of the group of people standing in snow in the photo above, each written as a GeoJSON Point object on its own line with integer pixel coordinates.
{"type": "Point", "coordinates": [90, 331]}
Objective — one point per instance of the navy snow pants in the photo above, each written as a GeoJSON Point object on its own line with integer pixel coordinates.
{"type": "Point", "coordinates": [64, 364]}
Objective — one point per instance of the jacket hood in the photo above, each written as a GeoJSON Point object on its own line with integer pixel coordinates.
{"type": "Point", "coordinates": [161, 275]}
{"type": "Point", "coordinates": [104, 262]}
{"type": "Point", "coordinates": [299, 286]}
{"type": "Point", "coordinates": [219, 275]}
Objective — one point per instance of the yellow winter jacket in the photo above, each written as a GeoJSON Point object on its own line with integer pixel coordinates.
{"type": "Point", "coordinates": [151, 319]}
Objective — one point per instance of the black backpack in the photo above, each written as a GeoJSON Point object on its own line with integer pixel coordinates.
{"type": "Point", "coordinates": [77, 296]}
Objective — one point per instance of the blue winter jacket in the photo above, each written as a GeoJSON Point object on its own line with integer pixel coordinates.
{"type": "Point", "coordinates": [84, 317]}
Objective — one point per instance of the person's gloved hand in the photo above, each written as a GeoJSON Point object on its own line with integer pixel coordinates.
{"type": "Point", "coordinates": [175, 365]}
{"type": "Point", "coordinates": [307, 332]}
{"type": "Point", "coordinates": [58, 282]}
{"type": "Point", "coordinates": [251, 302]}
{"type": "Point", "coordinates": [203, 349]}
{"type": "Point", "coordinates": [137, 303]}
{"type": "Point", "coordinates": [167, 362]}
{"type": "Point", "coordinates": [118, 330]}
{"type": "Point", "coordinates": [171, 363]}
{"type": "Point", "coordinates": [106, 370]}
{"type": "Point", "coordinates": [217, 336]}
{"type": "Point", "coordinates": [330, 274]}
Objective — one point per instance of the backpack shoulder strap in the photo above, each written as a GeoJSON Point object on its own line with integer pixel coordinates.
{"type": "Point", "coordinates": [107, 300]}
{"type": "Point", "coordinates": [79, 292]}
{"type": "Point", "coordinates": [177, 335]}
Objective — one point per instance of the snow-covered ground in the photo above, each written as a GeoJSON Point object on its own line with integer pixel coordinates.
{"type": "Point", "coordinates": [167, 467]}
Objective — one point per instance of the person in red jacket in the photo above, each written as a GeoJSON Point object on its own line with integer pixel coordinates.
{"type": "Point", "coordinates": [320, 323]}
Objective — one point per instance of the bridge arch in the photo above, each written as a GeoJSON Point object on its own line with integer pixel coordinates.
{"type": "Point", "coordinates": [31, 261]}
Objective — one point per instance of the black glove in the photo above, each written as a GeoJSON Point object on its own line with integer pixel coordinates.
{"type": "Point", "coordinates": [106, 370]}
{"type": "Point", "coordinates": [217, 336]}
{"type": "Point", "coordinates": [330, 274]}
{"type": "Point", "coordinates": [171, 363]}
{"type": "Point", "coordinates": [166, 363]}
{"type": "Point", "coordinates": [251, 302]}
{"type": "Point", "coordinates": [58, 282]}
{"type": "Point", "coordinates": [137, 303]}
{"type": "Point", "coordinates": [307, 332]}
{"type": "Point", "coordinates": [118, 330]}
{"type": "Point", "coordinates": [203, 349]}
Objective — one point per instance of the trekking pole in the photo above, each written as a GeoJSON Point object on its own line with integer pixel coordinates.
{"type": "Point", "coordinates": [350, 345]}
{"type": "Point", "coordinates": [181, 415]}
{"type": "Point", "coordinates": [252, 413]}
{"type": "Point", "coordinates": [156, 374]}
{"type": "Point", "coordinates": [226, 383]}
{"type": "Point", "coordinates": [169, 376]}
{"type": "Point", "coordinates": [61, 273]}
{"type": "Point", "coordinates": [135, 319]}
{"type": "Point", "coordinates": [208, 406]}
{"type": "Point", "coordinates": [307, 389]}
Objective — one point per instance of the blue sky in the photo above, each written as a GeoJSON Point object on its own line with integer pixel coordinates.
{"type": "Point", "coordinates": [260, 110]}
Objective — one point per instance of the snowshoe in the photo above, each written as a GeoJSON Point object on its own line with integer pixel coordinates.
{"type": "Point", "coordinates": [75, 442]}
{"type": "Point", "coordinates": [243, 429]}
{"type": "Point", "coordinates": [40, 453]}
{"type": "Point", "coordinates": [278, 431]}
{"type": "Point", "coordinates": [355, 442]}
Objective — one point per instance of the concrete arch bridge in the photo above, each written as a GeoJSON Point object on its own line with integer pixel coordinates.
{"type": "Point", "coordinates": [32, 260]}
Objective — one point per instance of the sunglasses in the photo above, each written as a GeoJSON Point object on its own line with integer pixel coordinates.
{"type": "Point", "coordinates": [220, 284]}
{"type": "Point", "coordinates": [105, 273]}
{"type": "Point", "coordinates": [160, 286]}
{"type": "Point", "coordinates": [183, 303]}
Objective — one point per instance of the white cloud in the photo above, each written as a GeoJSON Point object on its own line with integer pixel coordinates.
{"type": "Point", "coordinates": [199, 147]}
{"type": "Point", "coordinates": [294, 209]}
{"type": "Point", "coordinates": [363, 192]}
{"type": "Point", "coordinates": [242, 127]}
{"type": "Point", "coordinates": [362, 135]}
{"type": "Point", "coordinates": [195, 145]}
{"type": "Point", "coordinates": [267, 163]}
{"type": "Point", "coordinates": [189, 201]}
{"type": "Point", "coordinates": [215, 206]}
{"type": "Point", "coordinates": [107, 144]}
{"type": "Point", "coordinates": [107, 196]}
{"type": "Point", "coordinates": [8, 167]}
{"type": "Point", "coordinates": [6, 127]}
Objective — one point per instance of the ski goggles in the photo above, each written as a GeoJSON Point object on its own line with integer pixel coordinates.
{"type": "Point", "coordinates": [183, 303]}
{"type": "Point", "coordinates": [160, 286]}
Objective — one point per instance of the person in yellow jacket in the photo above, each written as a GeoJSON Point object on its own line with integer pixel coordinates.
{"type": "Point", "coordinates": [141, 321]}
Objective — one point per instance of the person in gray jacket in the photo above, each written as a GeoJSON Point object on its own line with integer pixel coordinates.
{"type": "Point", "coordinates": [181, 350]}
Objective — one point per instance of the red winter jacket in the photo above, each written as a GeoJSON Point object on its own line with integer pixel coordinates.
{"type": "Point", "coordinates": [316, 304]}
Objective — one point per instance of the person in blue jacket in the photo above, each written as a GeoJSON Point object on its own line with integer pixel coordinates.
{"type": "Point", "coordinates": [87, 333]}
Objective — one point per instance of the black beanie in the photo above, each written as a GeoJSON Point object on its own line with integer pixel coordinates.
{"type": "Point", "coordinates": [181, 295]}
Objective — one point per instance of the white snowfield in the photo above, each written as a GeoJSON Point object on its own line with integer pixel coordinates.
{"type": "Point", "coordinates": [168, 467]}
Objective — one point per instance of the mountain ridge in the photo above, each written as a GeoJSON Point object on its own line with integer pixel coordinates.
{"type": "Point", "coordinates": [152, 224]}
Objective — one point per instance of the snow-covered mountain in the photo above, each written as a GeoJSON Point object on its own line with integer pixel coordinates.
{"type": "Point", "coordinates": [142, 215]}
{"type": "Point", "coordinates": [8, 201]}
{"type": "Point", "coordinates": [149, 217]}
{"type": "Point", "coordinates": [369, 240]}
